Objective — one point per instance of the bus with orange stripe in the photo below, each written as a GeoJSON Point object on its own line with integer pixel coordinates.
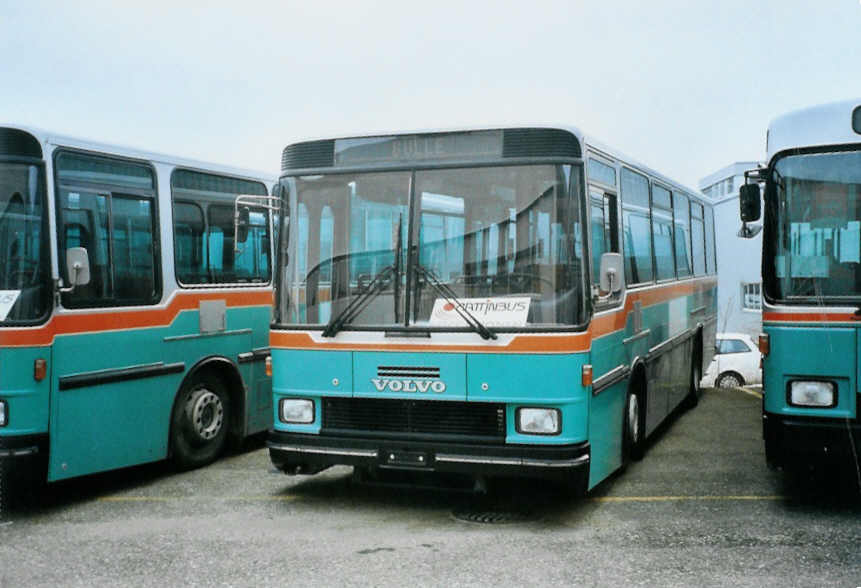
{"type": "Point", "coordinates": [485, 302]}
{"type": "Point", "coordinates": [811, 277]}
{"type": "Point", "coordinates": [132, 326]}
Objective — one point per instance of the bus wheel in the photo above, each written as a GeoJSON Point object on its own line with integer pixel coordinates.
{"type": "Point", "coordinates": [199, 422]}
{"type": "Point", "coordinates": [694, 390]}
{"type": "Point", "coordinates": [633, 442]}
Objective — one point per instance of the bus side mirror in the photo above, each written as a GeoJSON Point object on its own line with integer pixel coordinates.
{"type": "Point", "coordinates": [243, 215]}
{"type": "Point", "coordinates": [78, 267]}
{"type": "Point", "coordinates": [749, 203]}
{"type": "Point", "coordinates": [611, 273]}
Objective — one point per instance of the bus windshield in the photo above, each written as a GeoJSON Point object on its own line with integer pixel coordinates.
{"type": "Point", "coordinates": [24, 261]}
{"type": "Point", "coordinates": [506, 241]}
{"type": "Point", "coordinates": [814, 211]}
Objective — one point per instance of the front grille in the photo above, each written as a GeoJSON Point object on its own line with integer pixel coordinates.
{"type": "Point", "coordinates": [403, 371]}
{"type": "Point", "coordinates": [398, 418]}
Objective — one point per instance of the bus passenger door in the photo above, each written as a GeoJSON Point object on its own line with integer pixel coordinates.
{"type": "Point", "coordinates": [608, 355]}
{"type": "Point", "coordinates": [112, 391]}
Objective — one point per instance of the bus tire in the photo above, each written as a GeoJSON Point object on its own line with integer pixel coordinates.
{"type": "Point", "coordinates": [199, 422]}
{"type": "Point", "coordinates": [633, 437]}
{"type": "Point", "coordinates": [696, 375]}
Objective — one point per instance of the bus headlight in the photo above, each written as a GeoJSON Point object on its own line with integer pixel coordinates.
{"type": "Point", "coordinates": [812, 394]}
{"type": "Point", "coordinates": [297, 411]}
{"type": "Point", "coordinates": [4, 413]}
{"type": "Point", "coordinates": [539, 421]}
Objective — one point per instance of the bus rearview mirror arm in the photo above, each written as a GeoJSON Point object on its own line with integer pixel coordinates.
{"type": "Point", "coordinates": [610, 274]}
{"type": "Point", "coordinates": [78, 266]}
{"type": "Point", "coordinates": [242, 205]}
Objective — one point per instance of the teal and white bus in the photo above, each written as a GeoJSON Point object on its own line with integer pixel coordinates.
{"type": "Point", "coordinates": [489, 302]}
{"type": "Point", "coordinates": [132, 328]}
{"type": "Point", "coordinates": [811, 278]}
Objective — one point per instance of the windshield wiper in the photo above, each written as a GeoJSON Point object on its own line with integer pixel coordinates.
{"type": "Point", "coordinates": [450, 296]}
{"type": "Point", "coordinates": [358, 304]}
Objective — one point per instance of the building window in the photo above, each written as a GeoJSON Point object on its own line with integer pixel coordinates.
{"type": "Point", "coordinates": [751, 296]}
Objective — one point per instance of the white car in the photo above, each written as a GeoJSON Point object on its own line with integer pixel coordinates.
{"type": "Point", "coordinates": [736, 362]}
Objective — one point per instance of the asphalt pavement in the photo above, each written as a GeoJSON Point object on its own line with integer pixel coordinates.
{"type": "Point", "coordinates": [700, 509]}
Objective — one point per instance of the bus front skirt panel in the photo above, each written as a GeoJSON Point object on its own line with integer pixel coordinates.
{"type": "Point", "coordinates": [23, 456]}
{"type": "Point", "coordinates": [789, 439]}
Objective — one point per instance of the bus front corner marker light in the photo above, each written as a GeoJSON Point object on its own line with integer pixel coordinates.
{"type": "Point", "coordinates": [40, 369]}
{"type": "Point", "coordinates": [4, 413]}
{"type": "Point", "coordinates": [586, 377]}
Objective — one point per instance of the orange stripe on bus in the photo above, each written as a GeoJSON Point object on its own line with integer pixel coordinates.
{"type": "Point", "coordinates": [537, 343]}
{"type": "Point", "coordinates": [809, 317]}
{"type": "Point", "coordinates": [62, 324]}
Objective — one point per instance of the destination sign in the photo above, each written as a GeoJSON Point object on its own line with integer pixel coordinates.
{"type": "Point", "coordinates": [442, 147]}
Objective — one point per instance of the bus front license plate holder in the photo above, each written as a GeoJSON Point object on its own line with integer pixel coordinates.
{"type": "Point", "coordinates": [413, 459]}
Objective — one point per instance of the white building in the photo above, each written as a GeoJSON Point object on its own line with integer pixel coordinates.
{"type": "Point", "coordinates": [738, 259]}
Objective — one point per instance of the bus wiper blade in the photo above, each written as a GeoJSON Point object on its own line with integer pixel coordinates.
{"type": "Point", "coordinates": [450, 296]}
{"type": "Point", "coordinates": [358, 304]}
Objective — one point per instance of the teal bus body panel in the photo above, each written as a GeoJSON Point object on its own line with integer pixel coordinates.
{"type": "Point", "coordinates": [107, 426]}
{"type": "Point", "coordinates": [551, 381]}
{"type": "Point", "coordinates": [27, 399]}
{"type": "Point", "coordinates": [312, 373]}
{"type": "Point", "coordinates": [606, 419]}
{"type": "Point", "coordinates": [811, 352]}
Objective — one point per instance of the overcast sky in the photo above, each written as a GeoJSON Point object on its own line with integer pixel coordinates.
{"type": "Point", "coordinates": [684, 86]}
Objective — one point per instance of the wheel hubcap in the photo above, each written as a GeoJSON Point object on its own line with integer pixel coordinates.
{"type": "Point", "coordinates": [206, 413]}
{"type": "Point", "coordinates": [730, 382]}
{"type": "Point", "coordinates": [634, 418]}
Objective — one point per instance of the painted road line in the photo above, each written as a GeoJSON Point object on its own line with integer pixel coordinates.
{"type": "Point", "coordinates": [289, 498]}
{"type": "Point", "coordinates": [286, 498]}
{"type": "Point", "coordinates": [751, 392]}
{"type": "Point", "coordinates": [726, 498]}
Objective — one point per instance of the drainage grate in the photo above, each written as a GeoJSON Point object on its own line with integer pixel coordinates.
{"type": "Point", "coordinates": [494, 517]}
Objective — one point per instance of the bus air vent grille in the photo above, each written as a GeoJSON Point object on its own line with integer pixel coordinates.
{"type": "Point", "coordinates": [391, 371]}
{"type": "Point", "coordinates": [409, 419]}
{"type": "Point", "coordinates": [540, 143]}
{"type": "Point", "coordinates": [308, 155]}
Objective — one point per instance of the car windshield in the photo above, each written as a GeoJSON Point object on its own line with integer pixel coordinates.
{"type": "Point", "coordinates": [24, 261]}
{"type": "Point", "coordinates": [505, 240]}
{"type": "Point", "coordinates": [814, 210]}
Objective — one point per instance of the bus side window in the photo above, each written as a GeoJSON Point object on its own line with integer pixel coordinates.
{"type": "Point", "coordinates": [682, 221]}
{"type": "Point", "coordinates": [636, 218]}
{"type": "Point", "coordinates": [698, 238]}
{"type": "Point", "coordinates": [117, 228]}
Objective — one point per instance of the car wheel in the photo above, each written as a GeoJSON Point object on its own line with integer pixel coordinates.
{"type": "Point", "coordinates": [729, 380]}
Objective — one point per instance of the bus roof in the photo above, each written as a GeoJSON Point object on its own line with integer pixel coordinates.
{"type": "Point", "coordinates": [586, 142]}
{"type": "Point", "coordinates": [824, 124]}
{"type": "Point", "coordinates": [48, 138]}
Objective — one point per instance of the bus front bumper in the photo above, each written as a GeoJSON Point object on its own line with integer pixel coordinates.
{"type": "Point", "coordinates": [295, 453]}
{"type": "Point", "coordinates": [22, 456]}
{"type": "Point", "coordinates": [789, 439]}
